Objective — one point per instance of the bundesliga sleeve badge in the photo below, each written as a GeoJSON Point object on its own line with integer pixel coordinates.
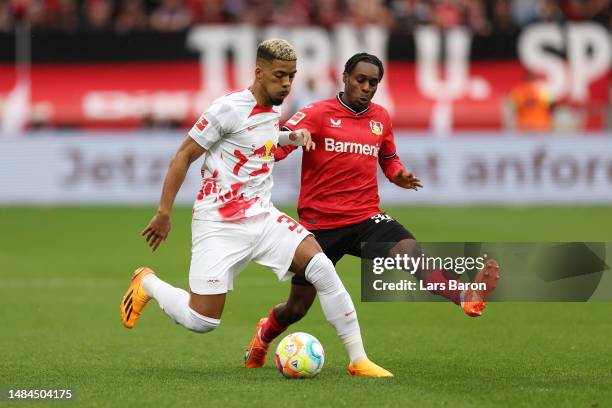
{"type": "Point", "coordinates": [295, 119]}
{"type": "Point", "coordinates": [201, 124]}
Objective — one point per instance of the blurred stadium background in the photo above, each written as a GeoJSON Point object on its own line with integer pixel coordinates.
{"type": "Point", "coordinates": [502, 108]}
{"type": "Point", "coordinates": [492, 101]}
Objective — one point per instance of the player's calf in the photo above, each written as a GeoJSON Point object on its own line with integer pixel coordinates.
{"type": "Point", "coordinates": [290, 313]}
{"type": "Point", "coordinates": [335, 301]}
{"type": "Point", "coordinates": [300, 300]}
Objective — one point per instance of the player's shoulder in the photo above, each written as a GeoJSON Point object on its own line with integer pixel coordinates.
{"type": "Point", "coordinates": [319, 106]}
{"type": "Point", "coordinates": [240, 106]}
{"type": "Point", "coordinates": [235, 98]}
{"type": "Point", "coordinates": [377, 109]}
{"type": "Point", "coordinates": [309, 113]}
{"type": "Point", "coordinates": [238, 102]}
{"type": "Point", "coordinates": [222, 105]}
{"type": "Point", "coordinates": [379, 113]}
{"type": "Point", "coordinates": [330, 104]}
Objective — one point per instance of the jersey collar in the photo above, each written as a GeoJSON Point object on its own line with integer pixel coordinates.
{"type": "Point", "coordinates": [348, 107]}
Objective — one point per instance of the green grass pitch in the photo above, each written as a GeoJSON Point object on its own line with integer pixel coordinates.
{"type": "Point", "coordinates": [64, 270]}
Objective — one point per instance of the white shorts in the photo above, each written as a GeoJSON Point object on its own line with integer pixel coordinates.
{"type": "Point", "coordinates": [222, 249]}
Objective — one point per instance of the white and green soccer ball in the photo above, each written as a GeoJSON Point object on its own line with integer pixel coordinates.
{"type": "Point", "coordinates": [299, 355]}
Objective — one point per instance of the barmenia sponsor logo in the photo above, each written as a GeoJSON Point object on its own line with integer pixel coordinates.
{"type": "Point", "coordinates": [350, 147]}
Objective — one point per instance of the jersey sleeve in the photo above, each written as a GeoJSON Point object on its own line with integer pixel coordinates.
{"type": "Point", "coordinates": [283, 151]}
{"type": "Point", "coordinates": [302, 119]}
{"type": "Point", "coordinates": [218, 120]}
{"type": "Point", "coordinates": [387, 156]}
{"type": "Point", "coordinates": [305, 118]}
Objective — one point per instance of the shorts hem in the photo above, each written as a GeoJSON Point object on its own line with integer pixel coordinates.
{"type": "Point", "coordinates": [338, 225]}
{"type": "Point", "coordinates": [287, 273]}
{"type": "Point", "coordinates": [207, 291]}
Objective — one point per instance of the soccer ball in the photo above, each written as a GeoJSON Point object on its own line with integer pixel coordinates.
{"type": "Point", "coordinates": [299, 355]}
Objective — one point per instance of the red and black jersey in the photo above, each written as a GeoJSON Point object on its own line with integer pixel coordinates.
{"type": "Point", "coordinates": [339, 178]}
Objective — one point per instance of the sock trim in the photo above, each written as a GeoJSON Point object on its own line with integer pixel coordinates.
{"type": "Point", "coordinates": [205, 319]}
{"type": "Point", "coordinates": [314, 260]}
{"type": "Point", "coordinates": [272, 324]}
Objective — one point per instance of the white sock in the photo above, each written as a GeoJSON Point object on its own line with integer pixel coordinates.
{"type": "Point", "coordinates": [336, 303]}
{"type": "Point", "coordinates": [353, 344]}
{"type": "Point", "coordinates": [175, 303]}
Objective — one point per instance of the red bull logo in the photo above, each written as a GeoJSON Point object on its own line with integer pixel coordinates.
{"type": "Point", "coordinates": [265, 151]}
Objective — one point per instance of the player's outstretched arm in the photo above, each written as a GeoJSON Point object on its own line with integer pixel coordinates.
{"type": "Point", "coordinates": [395, 171]}
{"type": "Point", "coordinates": [391, 164]}
{"type": "Point", "coordinates": [283, 151]}
{"type": "Point", "coordinates": [159, 227]}
{"type": "Point", "coordinates": [406, 179]}
{"type": "Point", "coordinates": [299, 137]}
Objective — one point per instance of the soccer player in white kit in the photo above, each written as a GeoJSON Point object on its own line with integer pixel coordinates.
{"type": "Point", "coordinates": [234, 221]}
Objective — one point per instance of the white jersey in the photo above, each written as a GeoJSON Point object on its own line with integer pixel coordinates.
{"type": "Point", "coordinates": [240, 137]}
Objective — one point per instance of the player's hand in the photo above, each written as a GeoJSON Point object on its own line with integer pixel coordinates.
{"type": "Point", "coordinates": [405, 179]}
{"type": "Point", "coordinates": [157, 230]}
{"type": "Point", "coordinates": [306, 137]}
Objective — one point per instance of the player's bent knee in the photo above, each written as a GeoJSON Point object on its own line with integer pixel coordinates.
{"type": "Point", "coordinates": [408, 247]}
{"type": "Point", "coordinates": [306, 250]}
{"type": "Point", "coordinates": [201, 324]}
{"type": "Point", "coordinates": [321, 273]}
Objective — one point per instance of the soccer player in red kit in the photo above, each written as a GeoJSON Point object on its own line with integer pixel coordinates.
{"type": "Point", "coordinates": [339, 201]}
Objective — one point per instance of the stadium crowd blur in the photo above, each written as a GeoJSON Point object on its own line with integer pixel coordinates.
{"type": "Point", "coordinates": [123, 16]}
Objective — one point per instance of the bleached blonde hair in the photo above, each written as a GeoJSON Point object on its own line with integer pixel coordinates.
{"type": "Point", "coordinates": [276, 48]}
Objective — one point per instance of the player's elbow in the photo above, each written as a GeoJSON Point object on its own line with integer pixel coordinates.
{"type": "Point", "coordinates": [189, 152]}
{"type": "Point", "coordinates": [180, 160]}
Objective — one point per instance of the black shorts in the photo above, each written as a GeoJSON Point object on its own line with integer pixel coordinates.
{"type": "Point", "coordinates": [368, 239]}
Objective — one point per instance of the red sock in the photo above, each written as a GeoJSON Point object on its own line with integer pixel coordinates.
{"type": "Point", "coordinates": [271, 329]}
{"type": "Point", "coordinates": [438, 276]}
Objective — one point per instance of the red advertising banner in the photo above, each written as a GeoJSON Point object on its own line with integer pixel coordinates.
{"type": "Point", "coordinates": [441, 90]}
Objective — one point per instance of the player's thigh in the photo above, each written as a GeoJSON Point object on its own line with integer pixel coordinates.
{"type": "Point", "coordinates": [307, 249]}
{"type": "Point", "coordinates": [220, 250]}
{"type": "Point", "coordinates": [208, 305]}
{"type": "Point", "coordinates": [382, 236]}
{"type": "Point", "coordinates": [335, 243]}
{"type": "Point", "coordinates": [279, 241]}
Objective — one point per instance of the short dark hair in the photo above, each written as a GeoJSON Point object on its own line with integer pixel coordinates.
{"type": "Point", "coordinates": [363, 57]}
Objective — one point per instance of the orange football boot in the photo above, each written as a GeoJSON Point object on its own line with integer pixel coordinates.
{"type": "Point", "coordinates": [135, 299]}
{"type": "Point", "coordinates": [366, 368]}
{"type": "Point", "coordinates": [474, 301]}
{"type": "Point", "coordinates": [256, 353]}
